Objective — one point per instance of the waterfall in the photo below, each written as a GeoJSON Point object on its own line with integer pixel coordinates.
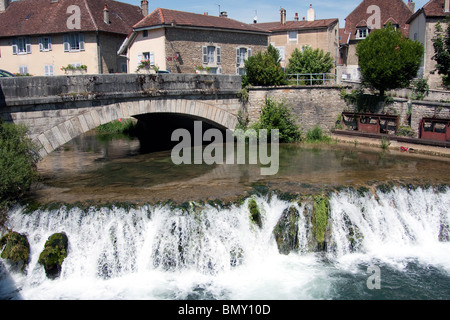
{"type": "Point", "coordinates": [216, 252]}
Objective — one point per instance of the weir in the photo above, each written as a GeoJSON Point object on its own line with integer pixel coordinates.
{"type": "Point", "coordinates": [216, 252]}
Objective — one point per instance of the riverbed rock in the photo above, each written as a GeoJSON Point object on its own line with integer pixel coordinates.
{"type": "Point", "coordinates": [16, 249]}
{"type": "Point", "coordinates": [321, 206]}
{"type": "Point", "coordinates": [53, 255]}
{"type": "Point", "coordinates": [286, 231]}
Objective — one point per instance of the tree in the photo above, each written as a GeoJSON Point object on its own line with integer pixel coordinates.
{"type": "Point", "coordinates": [310, 61]}
{"type": "Point", "coordinates": [441, 44]}
{"type": "Point", "coordinates": [17, 163]}
{"type": "Point", "coordinates": [264, 69]}
{"type": "Point", "coordinates": [388, 60]}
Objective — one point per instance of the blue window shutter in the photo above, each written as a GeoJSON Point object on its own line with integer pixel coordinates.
{"type": "Point", "coordinates": [14, 46]}
{"type": "Point", "coordinates": [81, 39]}
{"type": "Point", "coordinates": [66, 43]}
{"type": "Point", "coordinates": [28, 44]}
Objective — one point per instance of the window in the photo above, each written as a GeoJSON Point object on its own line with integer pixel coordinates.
{"type": "Point", "coordinates": [49, 70]}
{"type": "Point", "coordinates": [292, 35]}
{"type": "Point", "coordinates": [23, 70]}
{"type": "Point", "coordinates": [74, 42]}
{"type": "Point", "coordinates": [145, 33]}
{"type": "Point", "coordinates": [21, 45]}
{"type": "Point", "coordinates": [242, 54]}
{"type": "Point", "coordinates": [149, 56]}
{"type": "Point", "coordinates": [45, 44]}
{"type": "Point", "coordinates": [212, 55]}
{"type": "Point", "coordinates": [362, 33]}
{"type": "Point", "coordinates": [281, 52]}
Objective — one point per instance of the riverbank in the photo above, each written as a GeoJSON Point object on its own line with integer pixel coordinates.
{"type": "Point", "coordinates": [404, 148]}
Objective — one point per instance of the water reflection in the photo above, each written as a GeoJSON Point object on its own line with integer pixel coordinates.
{"type": "Point", "coordinates": [90, 168]}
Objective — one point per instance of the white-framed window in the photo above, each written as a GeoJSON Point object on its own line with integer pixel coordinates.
{"type": "Point", "coordinates": [362, 33]}
{"type": "Point", "coordinates": [49, 70]}
{"type": "Point", "coordinates": [23, 70]}
{"type": "Point", "coordinates": [45, 44]}
{"type": "Point", "coordinates": [242, 54]}
{"type": "Point", "coordinates": [292, 35]}
{"type": "Point", "coordinates": [74, 42]}
{"type": "Point", "coordinates": [21, 45]}
{"type": "Point", "coordinates": [212, 55]}
{"type": "Point", "coordinates": [281, 52]}
{"type": "Point", "coordinates": [149, 56]}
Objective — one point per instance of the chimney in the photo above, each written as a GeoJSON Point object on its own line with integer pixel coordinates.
{"type": "Point", "coordinates": [144, 7]}
{"type": "Point", "coordinates": [412, 6]}
{"type": "Point", "coordinates": [224, 14]}
{"type": "Point", "coordinates": [283, 16]}
{"type": "Point", "coordinates": [296, 16]}
{"type": "Point", "coordinates": [106, 15]}
{"type": "Point", "coordinates": [4, 4]}
{"type": "Point", "coordinates": [311, 14]}
{"type": "Point", "coordinates": [446, 6]}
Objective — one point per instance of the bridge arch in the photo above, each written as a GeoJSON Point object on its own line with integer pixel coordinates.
{"type": "Point", "coordinates": [93, 117]}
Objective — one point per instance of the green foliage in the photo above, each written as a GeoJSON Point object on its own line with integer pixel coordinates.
{"type": "Point", "coordinates": [17, 163]}
{"type": "Point", "coordinates": [441, 44]}
{"type": "Point", "coordinates": [365, 103]}
{"type": "Point", "coordinates": [320, 217]}
{"type": "Point", "coordinates": [264, 69]}
{"type": "Point", "coordinates": [54, 253]}
{"type": "Point", "coordinates": [277, 115]}
{"type": "Point", "coordinates": [120, 126]}
{"type": "Point", "coordinates": [316, 135]}
{"type": "Point", "coordinates": [421, 89]}
{"type": "Point", "coordinates": [385, 143]}
{"type": "Point", "coordinates": [15, 248]}
{"type": "Point", "coordinates": [310, 61]}
{"type": "Point", "coordinates": [255, 214]}
{"type": "Point", "coordinates": [405, 131]}
{"type": "Point", "coordinates": [388, 60]}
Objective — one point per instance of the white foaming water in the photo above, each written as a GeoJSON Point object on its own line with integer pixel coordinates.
{"type": "Point", "coordinates": [208, 253]}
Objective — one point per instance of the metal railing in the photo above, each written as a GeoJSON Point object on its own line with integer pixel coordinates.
{"type": "Point", "coordinates": [312, 78]}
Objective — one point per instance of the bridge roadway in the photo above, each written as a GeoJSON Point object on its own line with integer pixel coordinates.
{"type": "Point", "coordinates": [57, 109]}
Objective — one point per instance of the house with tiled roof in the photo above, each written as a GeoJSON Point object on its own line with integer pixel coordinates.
{"type": "Point", "coordinates": [367, 16]}
{"type": "Point", "coordinates": [288, 35]}
{"type": "Point", "coordinates": [422, 28]}
{"type": "Point", "coordinates": [184, 42]}
{"type": "Point", "coordinates": [40, 37]}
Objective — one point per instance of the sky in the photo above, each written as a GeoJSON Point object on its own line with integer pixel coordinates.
{"type": "Point", "coordinates": [266, 10]}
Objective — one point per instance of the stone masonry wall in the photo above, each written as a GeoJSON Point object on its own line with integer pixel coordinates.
{"type": "Point", "coordinates": [313, 105]}
{"type": "Point", "coordinates": [189, 44]}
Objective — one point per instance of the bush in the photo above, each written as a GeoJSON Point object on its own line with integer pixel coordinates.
{"type": "Point", "coordinates": [17, 163]}
{"type": "Point", "coordinates": [264, 69]}
{"type": "Point", "coordinates": [277, 115]}
{"type": "Point", "coordinates": [117, 127]}
{"type": "Point", "coordinates": [310, 61]}
{"type": "Point", "coordinates": [316, 135]}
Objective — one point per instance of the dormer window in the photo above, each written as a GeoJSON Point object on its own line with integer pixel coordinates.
{"type": "Point", "coordinates": [362, 33]}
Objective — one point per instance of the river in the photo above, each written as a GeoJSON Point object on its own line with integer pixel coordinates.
{"type": "Point", "coordinates": [140, 227]}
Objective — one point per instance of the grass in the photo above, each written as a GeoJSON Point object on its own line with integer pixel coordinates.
{"type": "Point", "coordinates": [126, 126]}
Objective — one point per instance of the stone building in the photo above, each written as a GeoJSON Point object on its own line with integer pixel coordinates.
{"type": "Point", "coordinates": [422, 28]}
{"type": "Point", "coordinates": [183, 42]}
{"type": "Point", "coordinates": [367, 16]}
{"type": "Point", "coordinates": [288, 35]}
{"type": "Point", "coordinates": [40, 37]}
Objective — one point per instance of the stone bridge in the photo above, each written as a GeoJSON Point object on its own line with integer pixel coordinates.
{"type": "Point", "coordinates": [58, 109]}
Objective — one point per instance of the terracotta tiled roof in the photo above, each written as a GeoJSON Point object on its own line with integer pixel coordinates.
{"type": "Point", "coordinates": [344, 37]}
{"type": "Point", "coordinates": [165, 17]}
{"type": "Point", "coordinates": [435, 8]}
{"type": "Point", "coordinates": [394, 10]}
{"type": "Point", "coordinates": [296, 25]}
{"type": "Point", "coordinates": [34, 17]}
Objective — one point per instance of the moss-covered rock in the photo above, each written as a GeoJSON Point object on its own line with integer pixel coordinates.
{"type": "Point", "coordinates": [321, 207]}
{"type": "Point", "coordinates": [236, 256]}
{"type": "Point", "coordinates": [55, 251]}
{"type": "Point", "coordinates": [255, 213]}
{"type": "Point", "coordinates": [15, 248]}
{"type": "Point", "coordinates": [286, 231]}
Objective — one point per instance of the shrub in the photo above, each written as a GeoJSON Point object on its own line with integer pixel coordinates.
{"type": "Point", "coordinates": [17, 163]}
{"type": "Point", "coordinates": [278, 115]}
{"type": "Point", "coordinates": [264, 69]}
{"type": "Point", "coordinates": [316, 135]}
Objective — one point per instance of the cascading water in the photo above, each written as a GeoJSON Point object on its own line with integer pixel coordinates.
{"type": "Point", "coordinates": [208, 252]}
